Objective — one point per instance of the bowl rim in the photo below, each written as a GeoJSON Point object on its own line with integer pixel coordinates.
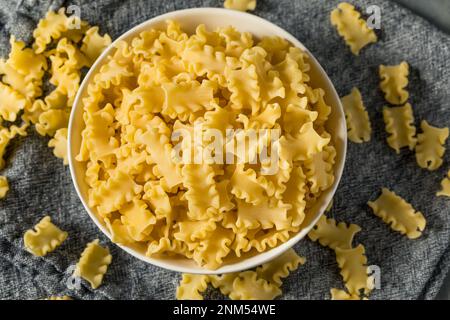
{"type": "Point", "coordinates": [264, 256]}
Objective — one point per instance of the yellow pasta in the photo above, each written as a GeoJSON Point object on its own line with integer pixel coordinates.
{"type": "Point", "coordinates": [93, 263]}
{"type": "Point", "coordinates": [280, 267]}
{"type": "Point", "coordinates": [358, 122]}
{"type": "Point", "coordinates": [45, 237]}
{"type": "Point", "coordinates": [398, 214]}
{"type": "Point", "coordinates": [6, 135]}
{"type": "Point", "coordinates": [399, 123]}
{"type": "Point", "coordinates": [142, 112]}
{"type": "Point", "coordinates": [11, 102]}
{"type": "Point", "coordinates": [445, 184]}
{"type": "Point", "coordinates": [352, 263]}
{"type": "Point", "coordinates": [351, 27]}
{"type": "Point", "coordinates": [247, 286]}
{"type": "Point", "coordinates": [430, 146]}
{"type": "Point", "coordinates": [337, 294]}
{"type": "Point", "coordinates": [4, 186]}
{"type": "Point", "coordinates": [59, 143]}
{"type": "Point", "coordinates": [332, 234]}
{"type": "Point", "coordinates": [241, 5]}
{"type": "Point", "coordinates": [59, 298]}
{"type": "Point", "coordinates": [394, 80]}
{"type": "Point", "coordinates": [191, 287]}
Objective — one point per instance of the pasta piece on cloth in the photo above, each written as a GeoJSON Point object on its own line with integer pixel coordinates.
{"type": "Point", "coordinates": [45, 237]}
{"type": "Point", "coordinates": [398, 214]}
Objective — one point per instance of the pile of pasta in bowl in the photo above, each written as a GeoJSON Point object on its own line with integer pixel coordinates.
{"type": "Point", "coordinates": [210, 146]}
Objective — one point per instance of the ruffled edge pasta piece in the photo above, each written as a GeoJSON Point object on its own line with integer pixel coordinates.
{"type": "Point", "coordinates": [399, 123]}
{"type": "Point", "coordinates": [94, 44]}
{"type": "Point", "coordinates": [394, 80]}
{"type": "Point", "coordinates": [4, 186]}
{"type": "Point", "coordinates": [353, 265]}
{"type": "Point", "coordinates": [352, 28]}
{"type": "Point", "coordinates": [45, 237]}
{"type": "Point", "coordinates": [358, 122]}
{"type": "Point", "coordinates": [445, 184]}
{"type": "Point", "coordinates": [331, 234]}
{"type": "Point", "coordinates": [430, 146]}
{"type": "Point", "coordinates": [241, 5]}
{"type": "Point", "coordinates": [319, 169]}
{"type": "Point", "coordinates": [398, 214]}
{"type": "Point", "coordinates": [192, 286]}
{"type": "Point", "coordinates": [59, 145]}
{"type": "Point", "coordinates": [93, 263]}
{"type": "Point", "coordinates": [202, 196]}
{"type": "Point", "coordinates": [11, 102]}
{"type": "Point", "coordinates": [338, 294]}
{"type": "Point", "coordinates": [247, 286]}
{"type": "Point", "coordinates": [280, 267]}
{"type": "Point", "coordinates": [56, 298]}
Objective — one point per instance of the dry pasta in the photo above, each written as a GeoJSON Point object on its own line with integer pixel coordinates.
{"type": "Point", "coordinates": [352, 263]}
{"type": "Point", "coordinates": [166, 81]}
{"type": "Point", "coordinates": [93, 263]}
{"type": "Point", "coordinates": [430, 146]}
{"type": "Point", "coordinates": [241, 5]}
{"type": "Point", "coordinates": [445, 186]}
{"type": "Point", "coordinates": [337, 294]}
{"type": "Point", "coordinates": [332, 234]}
{"type": "Point", "coordinates": [58, 298]}
{"type": "Point", "coordinates": [358, 122]}
{"type": "Point", "coordinates": [394, 80]}
{"type": "Point", "coordinates": [399, 122]}
{"type": "Point", "coordinates": [352, 27]}
{"type": "Point", "coordinates": [191, 287]}
{"type": "Point", "coordinates": [398, 214]}
{"type": "Point", "coordinates": [262, 284]}
{"type": "Point", "coordinates": [4, 186]}
{"type": "Point", "coordinates": [45, 237]}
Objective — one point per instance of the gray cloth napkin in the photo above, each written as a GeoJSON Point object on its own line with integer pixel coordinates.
{"type": "Point", "coordinates": [410, 269]}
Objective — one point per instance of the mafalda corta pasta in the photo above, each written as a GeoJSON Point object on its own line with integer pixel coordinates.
{"type": "Point", "coordinates": [352, 27]}
{"type": "Point", "coordinates": [152, 113]}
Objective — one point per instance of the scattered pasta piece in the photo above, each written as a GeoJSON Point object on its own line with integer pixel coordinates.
{"type": "Point", "coordinates": [59, 143]}
{"type": "Point", "coordinates": [399, 122]}
{"type": "Point", "coordinates": [94, 44]}
{"type": "Point", "coordinates": [59, 298]}
{"type": "Point", "coordinates": [4, 186]}
{"type": "Point", "coordinates": [445, 191]}
{"type": "Point", "coordinates": [93, 263]}
{"type": "Point", "coordinates": [337, 294]}
{"type": "Point", "coordinates": [352, 28]}
{"type": "Point", "coordinates": [6, 135]}
{"type": "Point", "coordinates": [45, 237]}
{"type": "Point", "coordinates": [430, 146]}
{"type": "Point", "coordinates": [352, 263]}
{"type": "Point", "coordinates": [241, 5]}
{"type": "Point", "coordinates": [332, 234]}
{"type": "Point", "coordinates": [247, 286]}
{"type": "Point", "coordinates": [394, 80]}
{"type": "Point", "coordinates": [358, 122]}
{"type": "Point", "coordinates": [399, 214]}
{"type": "Point", "coordinates": [191, 287]}
{"type": "Point", "coordinates": [280, 267]}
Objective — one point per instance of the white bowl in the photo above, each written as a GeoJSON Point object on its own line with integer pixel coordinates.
{"type": "Point", "coordinates": [212, 18]}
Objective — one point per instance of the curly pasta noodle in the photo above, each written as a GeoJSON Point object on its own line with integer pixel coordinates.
{"type": "Point", "coordinates": [351, 27]}
{"type": "Point", "coordinates": [398, 214]}
{"type": "Point", "coordinates": [399, 122]}
{"type": "Point", "coordinates": [430, 146]}
{"type": "Point", "coordinates": [445, 186]}
{"type": "Point", "coordinates": [394, 80]}
{"type": "Point", "coordinates": [358, 122]}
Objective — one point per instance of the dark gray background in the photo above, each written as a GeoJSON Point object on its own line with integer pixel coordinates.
{"type": "Point", "coordinates": [411, 269]}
